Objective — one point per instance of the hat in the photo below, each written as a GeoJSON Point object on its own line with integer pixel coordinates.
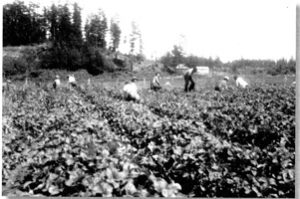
{"type": "Point", "coordinates": [226, 78]}
{"type": "Point", "coordinates": [57, 76]}
{"type": "Point", "coordinates": [134, 78]}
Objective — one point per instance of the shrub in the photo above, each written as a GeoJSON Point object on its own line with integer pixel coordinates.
{"type": "Point", "coordinates": [12, 66]}
{"type": "Point", "coordinates": [61, 56]}
{"type": "Point", "coordinates": [19, 60]}
{"type": "Point", "coordinates": [95, 61]}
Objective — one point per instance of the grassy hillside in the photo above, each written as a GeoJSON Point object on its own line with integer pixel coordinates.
{"type": "Point", "coordinates": [27, 61]}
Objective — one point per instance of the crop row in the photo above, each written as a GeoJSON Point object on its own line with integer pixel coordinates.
{"type": "Point", "coordinates": [63, 147]}
{"type": "Point", "coordinates": [92, 143]}
{"type": "Point", "coordinates": [172, 139]}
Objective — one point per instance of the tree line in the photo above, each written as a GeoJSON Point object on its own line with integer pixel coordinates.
{"type": "Point", "coordinates": [61, 26]}
{"type": "Point", "coordinates": [177, 56]}
{"type": "Point", "coordinates": [73, 47]}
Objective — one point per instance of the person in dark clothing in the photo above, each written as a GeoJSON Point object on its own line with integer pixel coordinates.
{"type": "Point", "coordinates": [189, 84]}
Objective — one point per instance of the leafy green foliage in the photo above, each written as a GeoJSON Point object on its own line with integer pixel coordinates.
{"type": "Point", "coordinates": [21, 60]}
{"type": "Point", "coordinates": [89, 142]}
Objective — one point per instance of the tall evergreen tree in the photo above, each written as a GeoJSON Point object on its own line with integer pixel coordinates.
{"type": "Point", "coordinates": [65, 25]}
{"type": "Point", "coordinates": [22, 25]}
{"type": "Point", "coordinates": [95, 30]}
{"type": "Point", "coordinates": [133, 38]}
{"type": "Point", "coordinates": [141, 47]}
{"type": "Point", "coordinates": [53, 22]}
{"type": "Point", "coordinates": [92, 30]}
{"type": "Point", "coordinates": [77, 33]}
{"type": "Point", "coordinates": [103, 28]}
{"type": "Point", "coordinates": [291, 65]}
{"type": "Point", "coordinates": [177, 53]}
{"type": "Point", "coordinates": [115, 32]}
{"type": "Point", "coordinates": [136, 45]}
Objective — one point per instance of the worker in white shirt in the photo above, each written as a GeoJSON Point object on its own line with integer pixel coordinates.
{"type": "Point", "coordinates": [155, 85]}
{"type": "Point", "coordinates": [189, 83]}
{"type": "Point", "coordinates": [72, 80]}
{"type": "Point", "coordinates": [130, 91]}
{"type": "Point", "coordinates": [167, 83]}
{"type": "Point", "coordinates": [240, 82]}
{"type": "Point", "coordinates": [222, 85]}
{"type": "Point", "coordinates": [56, 82]}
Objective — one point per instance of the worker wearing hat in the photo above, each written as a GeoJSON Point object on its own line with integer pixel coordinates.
{"type": "Point", "coordinates": [130, 91]}
{"type": "Point", "coordinates": [222, 85]}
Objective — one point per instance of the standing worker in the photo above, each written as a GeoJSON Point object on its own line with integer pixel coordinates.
{"type": "Point", "coordinates": [56, 82]}
{"type": "Point", "coordinates": [155, 85]}
{"type": "Point", "coordinates": [189, 84]}
{"type": "Point", "coordinates": [130, 91]}
{"type": "Point", "coordinates": [240, 82]}
{"type": "Point", "coordinates": [222, 84]}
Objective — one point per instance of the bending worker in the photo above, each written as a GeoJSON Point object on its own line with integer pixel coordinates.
{"type": "Point", "coordinates": [222, 84]}
{"type": "Point", "coordinates": [189, 83]}
{"type": "Point", "coordinates": [72, 80]}
{"type": "Point", "coordinates": [240, 82]}
{"type": "Point", "coordinates": [155, 85]}
{"type": "Point", "coordinates": [130, 91]}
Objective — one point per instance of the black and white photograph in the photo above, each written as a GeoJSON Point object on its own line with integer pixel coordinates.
{"type": "Point", "coordinates": [140, 98]}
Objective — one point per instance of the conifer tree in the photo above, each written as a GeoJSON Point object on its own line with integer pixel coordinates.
{"type": "Point", "coordinates": [95, 30]}
{"type": "Point", "coordinates": [115, 32]}
{"type": "Point", "coordinates": [77, 33]}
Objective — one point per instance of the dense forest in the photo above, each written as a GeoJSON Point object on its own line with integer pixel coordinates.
{"type": "Point", "coordinates": [69, 44]}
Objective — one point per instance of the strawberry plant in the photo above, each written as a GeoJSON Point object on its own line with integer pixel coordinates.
{"type": "Point", "coordinates": [90, 142]}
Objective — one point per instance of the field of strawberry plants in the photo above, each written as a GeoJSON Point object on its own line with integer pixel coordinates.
{"type": "Point", "coordinates": [88, 141]}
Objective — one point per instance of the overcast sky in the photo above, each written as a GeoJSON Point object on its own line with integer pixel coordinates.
{"type": "Point", "coordinates": [229, 29]}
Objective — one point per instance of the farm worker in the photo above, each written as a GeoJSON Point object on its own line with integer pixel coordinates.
{"type": "Point", "coordinates": [89, 82]}
{"type": "Point", "coordinates": [72, 80]}
{"type": "Point", "coordinates": [26, 81]}
{"type": "Point", "coordinates": [167, 83]}
{"type": "Point", "coordinates": [222, 84]}
{"type": "Point", "coordinates": [240, 82]}
{"type": "Point", "coordinates": [130, 91]}
{"type": "Point", "coordinates": [155, 85]}
{"type": "Point", "coordinates": [56, 82]}
{"type": "Point", "coordinates": [189, 84]}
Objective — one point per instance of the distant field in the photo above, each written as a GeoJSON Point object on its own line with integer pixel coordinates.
{"type": "Point", "coordinates": [116, 81]}
{"type": "Point", "coordinates": [202, 82]}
